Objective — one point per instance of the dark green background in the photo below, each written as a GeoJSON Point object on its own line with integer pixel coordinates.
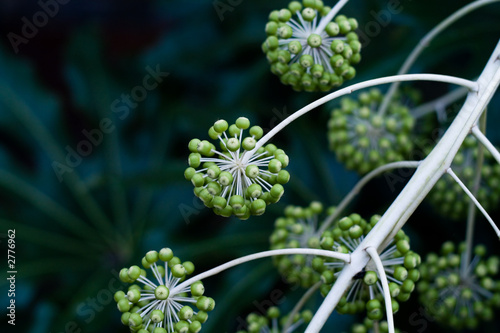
{"type": "Point", "coordinates": [66, 78]}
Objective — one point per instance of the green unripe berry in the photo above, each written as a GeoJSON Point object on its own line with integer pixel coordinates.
{"type": "Point", "coordinates": [332, 29]}
{"type": "Point", "coordinates": [133, 295]}
{"type": "Point", "coordinates": [194, 327]}
{"type": "Point", "coordinates": [161, 293]}
{"type": "Point", "coordinates": [225, 178]}
{"type": "Point", "coordinates": [284, 15]}
{"type": "Point", "coordinates": [197, 288]}
{"type": "Point", "coordinates": [370, 278]}
{"type": "Point", "coordinates": [314, 40]}
{"type": "Point", "coordinates": [252, 171]}
{"type": "Point", "coordinates": [233, 144]}
{"type": "Point", "coordinates": [123, 305]}
{"type": "Point", "coordinates": [308, 14]}
{"type": "Point", "coordinates": [157, 316]}
{"type": "Point", "coordinates": [306, 60]}
{"type": "Point", "coordinates": [152, 257]}
{"type": "Point", "coordinates": [242, 123]}
{"type": "Point", "coordinates": [205, 303]}
{"type": "Point", "coordinates": [193, 145]}
{"type": "Point", "coordinates": [220, 126]}
{"type": "Point", "coordinates": [186, 313]}
{"type": "Point", "coordinates": [295, 47]}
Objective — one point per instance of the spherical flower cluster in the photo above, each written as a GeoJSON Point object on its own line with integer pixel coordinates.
{"type": "Point", "coordinates": [306, 51]}
{"type": "Point", "coordinates": [236, 180]}
{"type": "Point", "coordinates": [272, 323]}
{"type": "Point", "coordinates": [457, 293]}
{"type": "Point", "coordinates": [448, 197]}
{"type": "Point", "coordinates": [400, 263]}
{"type": "Point", "coordinates": [154, 305]}
{"type": "Point", "coordinates": [363, 139]}
{"type": "Point", "coordinates": [370, 326]}
{"type": "Point", "coordinates": [299, 228]}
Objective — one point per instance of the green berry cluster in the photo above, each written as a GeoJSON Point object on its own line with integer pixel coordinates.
{"type": "Point", "coordinates": [272, 322]}
{"type": "Point", "coordinates": [370, 326]}
{"type": "Point", "coordinates": [364, 140]}
{"type": "Point", "coordinates": [298, 229]}
{"type": "Point", "coordinates": [155, 305]}
{"type": "Point", "coordinates": [460, 294]}
{"type": "Point", "coordinates": [400, 263]}
{"type": "Point", "coordinates": [448, 197]}
{"type": "Point", "coordinates": [236, 179]}
{"type": "Point", "coordinates": [304, 54]}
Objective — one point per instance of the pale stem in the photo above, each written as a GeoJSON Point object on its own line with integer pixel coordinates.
{"type": "Point", "coordinates": [385, 286]}
{"type": "Point", "coordinates": [328, 18]}
{"type": "Point", "coordinates": [300, 304]}
{"type": "Point", "coordinates": [471, 196]}
{"type": "Point", "coordinates": [471, 213]}
{"type": "Point", "coordinates": [471, 85]}
{"type": "Point", "coordinates": [424, 42]}
{"type": "Point", "coordinates": [439, 105]}
{"type": "Point", "coordinates": [315, 252]}
{"type": "Point", "coordinates": [361, 183]}
{"type": "Point", "coordinates": [487, 144]}
{"type": "Point", "coordinates": [423, 180]}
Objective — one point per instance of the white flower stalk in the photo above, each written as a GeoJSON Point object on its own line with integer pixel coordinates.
{"type": "Point", "coordinates": [457, 293]}
{"type": "Point", "coordinates": [308, 50]}
{"type": "Point", "coordinates": [399, 263]}
{"type": "Point", "coordinates": [158, 306]}
{"type": "Point", "coordinates": [237, 180]}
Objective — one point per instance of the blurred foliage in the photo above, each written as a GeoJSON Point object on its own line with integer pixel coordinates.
{"type": "Point", "coordinates": [129, 196]}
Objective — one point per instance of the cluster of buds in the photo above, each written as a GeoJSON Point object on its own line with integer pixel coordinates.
{"type": "Point", "coordinates": [366, 293]}
{"type": "Point", "coordinates": [448, 197]}
{"type": "Point", "coordinates": [273, 322]}
{"type": "Point", "coordinates": [457, 293]}
{"type": "Point", "coordinates": [363, 139]}
{"type": "Point", "coordinates": [306, 51]}
{"type": "Point", "coordinates": [156, 305]}
{"type": "Point", "coordinates": [299, 228]}
{"type": "Point", "coordinates": [236, 179]}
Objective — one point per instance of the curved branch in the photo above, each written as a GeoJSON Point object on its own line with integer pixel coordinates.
{"type": "Point", "coordinates": [385, 286]}
{"type": "Point", "coordinates": [487, 144]}
{"type": "Point", "coordinates": [473, 198]}
{"type": "Point", "coordinates": [361, 183]}
{"type": "Point", "coordinates": [300, 304]}
{"type": "Point", "coordinates": [271, 253]}
{"type": "Point", "coordinates": [424, 42]}
{"type": "Point", "coordinates": [439, 105]}
{"type": "Point", "coordinates": [471, 85]}
{"type": "Point", "coordinates": [471, 209]}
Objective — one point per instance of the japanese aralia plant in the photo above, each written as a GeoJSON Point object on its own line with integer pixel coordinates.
{"type": "Point", "coordinates": [359, 264]}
